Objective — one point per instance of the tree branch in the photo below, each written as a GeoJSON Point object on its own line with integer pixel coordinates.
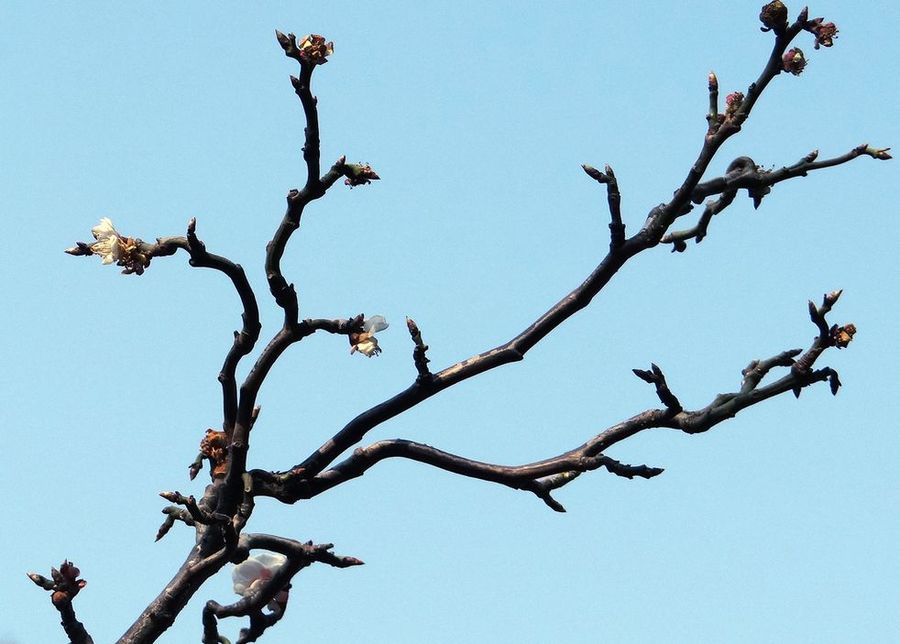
{"type": "Point", "coordinates": [744, 174]}
{"type": "Point", "coordinates": [135, 255]}
{"type": "Point", "coordinates": [656, 225]}
{"type": "Point", "coordinates": [614, 199]}
{"type": "Point", "coordinates": [273, 592]}
{"type": "Point", "coordinates": [541, 477]}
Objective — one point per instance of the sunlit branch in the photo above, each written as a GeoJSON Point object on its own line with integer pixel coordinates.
{"type": "Point", "coordinates": [656, 225]}
{"type": "Point", "coordinates": [757, 182]}
{"type": "Point", "coordinates": [543, 476]}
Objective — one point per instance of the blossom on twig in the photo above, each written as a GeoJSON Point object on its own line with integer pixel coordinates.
{"type": "Point", "coordinates": [251, 575]}
{"type": "Point", "coordinates": [109, 244]}
{"type": "Point", "coordinates": [793, 61]}
{"type": "Point", "coordinates": [841, 336]}
{"type": "Point", "coordinates": [825, 32]}
{"type": "Point", "coordinates": [314, 49]}
{"type": "Point", "coordinates": [112, 246]}
{"type": "Point", "coordinates": [365, 342]}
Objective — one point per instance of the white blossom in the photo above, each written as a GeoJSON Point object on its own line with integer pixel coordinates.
{"type": "Point", "coordinates": [108, 244]}
{"type": "Point", "coordinates": [249, 575]}
{"type": "Point", "coordinates": [365, 342]}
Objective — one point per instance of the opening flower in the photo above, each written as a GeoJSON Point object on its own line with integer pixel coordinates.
{"type": "Point", "coordinates": [733, 103]}
{"type": "Point", "coordinates": [112, 246]}
{"type": "Point", "coordinates": [841, 336]}
{"type": "Point", "coordinates": [365, 342]}
{"type": "Point", "coordinates": [793, 61]}
{"type": "Point", "coordinates": [250, 576]}
{"type": "Point", "coordinates": [109, 244]}
{"type": "Point", "coordinates": [314, 49]}
{"type": "Point", "coordinates": [825, 32]}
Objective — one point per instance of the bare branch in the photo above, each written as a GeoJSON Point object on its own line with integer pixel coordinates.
{"type": "Point", "coordinates": [419, 358]}
{"type": "Point", "coordinates": [744, 174]}
{"type": "Point", "coordinates": [614, 199]}
{"type": "Point", "coordinates": [655, 377]}
{"type": "Point", "coordinates": [290, 487]}
{"type": "Point", "coordinates": [541, 477]}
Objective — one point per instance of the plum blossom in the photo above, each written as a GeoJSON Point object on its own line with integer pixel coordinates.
{"type": "Point", "coordinates": [113, 247]}
{"type": "Point", "coordinates": [109, 244]}
{"type": "Point", "coordinates": [365, 342]}
{"type": "Point", "coordinates": [250, 576]}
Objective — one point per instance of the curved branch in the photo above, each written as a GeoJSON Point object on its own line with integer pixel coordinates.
{"type": "Point", "coordinates": [135, 255]}
{"type": "Point", "coordinates": [743, 174]}
{"type": "Point", "coordinates": [541, 477]}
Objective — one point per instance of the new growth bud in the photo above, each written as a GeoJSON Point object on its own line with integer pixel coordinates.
{"type": "Point", "coordinates": [774, 17]}
{"type": "Point", "coordinates": [733, 103]}
{"type": "Point", "coordinates": [825, 32]}
{"type": "Point", "coordinates": [793, 61]}
{"type": "Point", "coordinates": [359, 174]}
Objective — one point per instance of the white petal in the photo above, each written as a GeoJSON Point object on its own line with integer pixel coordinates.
{"type": "Point", "coordinates": [375, 324]}
{"type": "Point", "coordinates": [104, 229]}
{"type": "Point", "coordinates": [244, 574]}
{"type": "Point", "coordinates": [271, 560]}
{"type": "Point", "coordinates": [368, 347]}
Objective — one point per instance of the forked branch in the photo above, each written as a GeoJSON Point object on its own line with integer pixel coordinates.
{"type": "Point", "coordinates": [220, 516]}
{"type": "Point", "coordinates": [541, 477]}
{"type": "Point", "coordinates": [745, 175]}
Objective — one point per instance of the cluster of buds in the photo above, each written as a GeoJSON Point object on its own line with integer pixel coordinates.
{"type": "Point", "coordinates": [774, 16]}
{"type": "Point", "coordinates": [825, 32]}
{"type": "Point", "coordinates": [251, 575]}
{"type": "Point", "coordinates": [733, 103]}
{"type": "Point", "coordinates": [129, 252]}
{"type": "Point", "coordinates": [364, 340]}
{"type": "Point", "coordinates": [793, 61]}
{"type": "Point", "coordinates": [312, 50]}
{"type": "Point", "coordinates": [65, 583]}
{"type": "Point", "coordinates": [359, 174]}
{"type": "Point", "coordinates": [842, 335]}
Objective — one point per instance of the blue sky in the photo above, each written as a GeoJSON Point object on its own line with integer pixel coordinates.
{"type": "Point", "coordinates": [778, 526]}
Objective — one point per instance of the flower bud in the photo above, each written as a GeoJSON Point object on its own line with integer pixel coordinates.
{"type": "Point", "coordinates": [793, 61]}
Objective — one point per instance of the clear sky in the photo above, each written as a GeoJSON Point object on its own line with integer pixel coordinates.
{"type": "Point", "coordinates": [778, 526]}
